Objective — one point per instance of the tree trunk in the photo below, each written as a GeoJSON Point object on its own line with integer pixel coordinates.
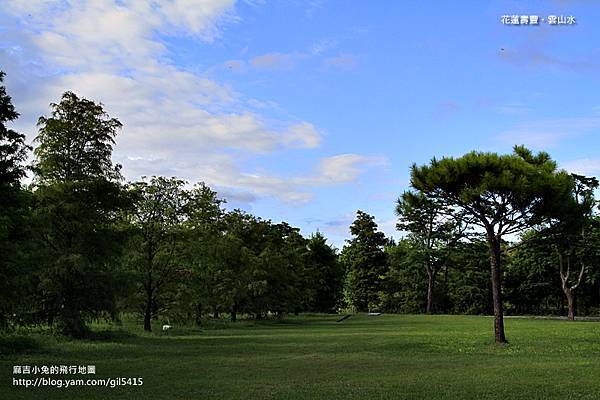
{"type": "Point", "coordinates": [570, 305]}
{"type": "Point", "coordinates": [148, 312]}
{"type": "Point", "coordinates": [234, 313]}
{"type": "Point", "coordinates": [430, 287]}
{"type": "Point", "coordinates": [199, 314]}
{"type": "Point", "coordinates": [149, 291]}
{"type": "Point", "coordinates": [568, 289]}
{"type": "Point", "coordinates": [495, 260]}
{"type": "Point", "coordinates": [446, 302]}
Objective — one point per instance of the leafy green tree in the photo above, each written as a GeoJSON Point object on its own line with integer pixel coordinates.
{"type": "Point", "coordinates": [468, 284]}
{"type": "Point", "coordinates": [503, 194]}
{"type": "Point", "coordinates": [572, 236]}
{"type": "Point", "coordinates": [365, 262]}
{"type": "Point", "coordinates": [78, 198]}
{"type": "Point", "coordinates": [405, 280]}
{"type": "Point", "coordinates": [232, 276]}
{"type": "Point", "coordinates": [463, 286]}
{"type": "Point", "coordinates": [14, 204]}
{"type": "Point", "coordinates": [203, 230]}
{"type": "Point", "coordinates": [76, 142]}
{"type": "Point", "coordinates": [327, 274]}
{"type": "Point", "coordinates": [13, 149]}
{"type": "Point", "coordinates": [531, 279]}
{"type": "Point", "coordinates": [158, 213]}
{"type": "Point", "coordinates": [290, 280]}
{"type": "Point", "coordinates": [246, 288]}
{"type": "Point", "coordinates": [433, 228]}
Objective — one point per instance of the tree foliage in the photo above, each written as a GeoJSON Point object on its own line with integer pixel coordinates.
{"type": "Point", "coordinates": [433, 229]}
{"type": "Point", "coordinates": [78, 197]}
{"type": "Point", "coordinates": [365, 262]}
{"type": "Point", "coordinates": [75, 142]}
{"type": "Point", "coordinates": [14, 209]}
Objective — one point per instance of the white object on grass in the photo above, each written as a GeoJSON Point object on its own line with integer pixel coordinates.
{"type": "Point", "coordinates": [167, 326]}
{"type": "Point", "coordinates": [374, 314]}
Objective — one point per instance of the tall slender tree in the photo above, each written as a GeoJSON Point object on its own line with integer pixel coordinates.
{"type": "Point", "coordinates": [13, 148]}
{"type": "Point", "coordinates": [78, 197]}
{"type": "Point", "coordinates": [365, 262]}
{"type": "Point", "coordinates": [434, 228]}
{"type": "Point", "coordinates": [326, 273]}
{"type": "Point", "coordinates": [158, 213]}
{"type": "Point", "coordinates": [13, 204]}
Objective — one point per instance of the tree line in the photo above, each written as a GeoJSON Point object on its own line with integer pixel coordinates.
{"type": "Point", "coordinates": [483, 233]}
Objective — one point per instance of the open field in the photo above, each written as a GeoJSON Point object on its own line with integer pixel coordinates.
{"type": "Point", "coordinates": [392, 356]}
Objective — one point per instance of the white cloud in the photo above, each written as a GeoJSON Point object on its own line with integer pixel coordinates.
{"type": "Point", "coordinates": [344, 168]}
{"type": "Point", "coordinates": [176, 123]}
{"type": "Point", "coordinates": [201, 17]}
{"type": "Point", "coordinates": [221, 171]}
{"type": "Point", "coordinates": [584, 166]}
{"type": "Point", "coordinates": [303, 135]}
{"type": "Point", "coordinates": [335, 170]}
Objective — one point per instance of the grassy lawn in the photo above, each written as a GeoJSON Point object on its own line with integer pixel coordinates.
{"type": "Point", "coordinates": [392, 356]}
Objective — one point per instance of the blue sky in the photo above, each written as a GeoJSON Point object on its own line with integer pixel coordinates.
{"type": "Point", "coordinates": [306, 111]}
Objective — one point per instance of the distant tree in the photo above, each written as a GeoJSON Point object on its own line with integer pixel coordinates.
{"type": "Point", "coordinates": [327, 274]}
{"type": "Point", "coordinates": [157, 217]}
{"type": "Point", "coordinates": [365, 262]}
{"type": "Point", "coordinates": [503, 194]}
{"type": "Point", "coordinates": [230, 276]}
{"type": "Point", "coordinates": [299, 276]}
{"type": "Point", "coordinates": [203, 231]}
{"type": "Point", "coordinates": [531, 277]}
{"type": "Point", "coordinates": [78, 198]}
{"type": "Point", "coordinates": [433, 228]}
{"type": "Point", "coordinates": [405, 280]}
{"type": "Point", "coordinates": [238, 259]}
{"type": "Point", "coordinates": [467, 281]}
{"type": "Point", "coordinates": [254, 266]}
{"type": "Point", "coordinates": [573, 235]}
{"type": "Point", "coordinates": [14, 204]}
{"type": "Point", "coordinates": [229, 266]}
{"type": "Point", "coordinates": [463, 285]}
{"type": "Point", "coordinates": [283, 268]}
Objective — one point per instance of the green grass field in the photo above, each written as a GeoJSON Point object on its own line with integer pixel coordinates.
{"type": "Point", "coordinates": [313, 357]}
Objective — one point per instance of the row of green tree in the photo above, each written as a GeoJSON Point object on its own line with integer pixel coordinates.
{"type": "Point", "coordinates": [483, 233]}
{"type": "Point", "coordinates": [79, 243]}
